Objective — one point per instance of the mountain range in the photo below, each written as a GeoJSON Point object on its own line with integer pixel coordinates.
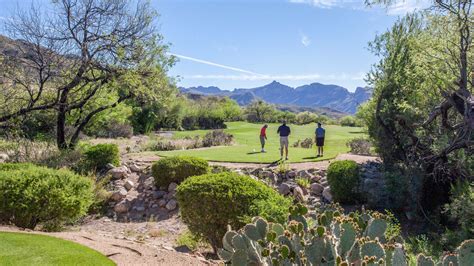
{"type": "Point", "coordinates": [311, 95]}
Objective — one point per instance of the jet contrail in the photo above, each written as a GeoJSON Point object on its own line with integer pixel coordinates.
{"type": "Point", "coordinates": [214, 64]}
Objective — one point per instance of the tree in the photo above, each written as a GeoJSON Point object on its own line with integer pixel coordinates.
{"type": "Point", "coordinates": [81, 58]}
{"type": "Point", "coordinates": [421, 115]}
{"type": "Point", "coordinates": [259, 111]}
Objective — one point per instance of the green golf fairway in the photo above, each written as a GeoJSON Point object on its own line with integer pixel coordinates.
{"type": "Point", "coordinates": [32, 249]}
{"type": "Point", "coordinates": [247, 143]}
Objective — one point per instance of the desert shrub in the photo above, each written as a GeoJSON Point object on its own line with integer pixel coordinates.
{"type": "Point", "coordinates": [177, 168]}
{"type": "Point", "coordinates": [210, 202]}
{"type": "Point", "coordinates": [162, 144]}
{"type": "Point", "coordinates": [304, 118]}
{"type": "Point", "coordinates": [217, 138]}
{"type": "Point", "coordinates": [460, 212]}
{"type": "Point", "coordinates": [115, 130]}
{"type": "Point", "coordinates": [397, 189]}
{"type": "Point", "coordinates": [98, 156]}
{"type": "Point", "coordinates": [303, 182]}
{"type": "Point", "coordinates": [307, 143]}
{"type": "Point", "coordinates": [101, 195]}
{"type": "Point", "coordinates": [343, 177]}
{"type": "Point", "coordinates": [361, 146]}
{"type": "Point", "coordinates": [22, 150]}
{"type": "Point", "coordinates": [349, 121]}
{"type": "Point", "coordinates": [33, 195]}
{"type": "Point", "coordinates": [63, 159]}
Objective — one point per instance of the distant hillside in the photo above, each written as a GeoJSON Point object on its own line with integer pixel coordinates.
{"type": "Point", "coordinates": [313, 95]}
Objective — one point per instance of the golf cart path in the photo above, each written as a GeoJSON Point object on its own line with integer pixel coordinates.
{"type": "Point", "coordinates": [150, 158]}
{"type": "Point", "coordinates": [122, 252]}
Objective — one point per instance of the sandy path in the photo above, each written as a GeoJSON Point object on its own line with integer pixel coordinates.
{"type": "Point", "coordinates": [148, 158]}
{"type": "Point", "coordinates": [124, 251]}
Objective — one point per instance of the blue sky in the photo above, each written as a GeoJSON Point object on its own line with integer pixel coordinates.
{"type": "Point", "coordinates": [248, 43]}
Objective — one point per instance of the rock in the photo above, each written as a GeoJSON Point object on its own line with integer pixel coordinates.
{"type": "Point", "coordinates": [169, 195]}
{"type": "Point", "coordinates": [119, 172]}
{"type": "Point", "coordinates": [109, 166]}
{"type": "Point", "coordinates": [304, 174]}
{"type": "Point", "coordinates": [291, 174]}
{"type": "Point", "coordinates": [119, 194]}
{"type": "Point", "coordinates": [298, 194]}
{"type": "Point", "coordinates": [140, 208]}
{"type": "Point", "coordinates": [4, 157]}
{"type": "Point", "coordinates": [315, 178]}
{"type": "Point", "coordinates": [284, 189]}
{"type": "Point", "coordinates": [317, 189]}
{"type": "Point", "coordinates": [158, 194]}
{"type": "Point", "coordinates": [128, 184]}
{"type": "Point", "coordinates": [135, 168]}
{"type": "Point", "coordinates": [327, 194]}
{"type": "Point", "coordinates": [172, 187]}
{"type": "Point", "coordinates": [122, 207]}
{"type": "Point", "coordinates": [171, 205]}
{"type": "Point", "coordinates": [162, 202]}
{"type": "Point", "coordinates": [183, 249]}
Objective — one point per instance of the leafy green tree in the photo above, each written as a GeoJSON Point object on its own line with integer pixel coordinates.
{"type": "Point", "coordinates": [259, 111]}
{"type": "Point", "coordinates": [81, 58]}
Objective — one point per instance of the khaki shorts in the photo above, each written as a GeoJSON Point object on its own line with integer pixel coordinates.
{"type": "Point", "coordinates": [283, 142]}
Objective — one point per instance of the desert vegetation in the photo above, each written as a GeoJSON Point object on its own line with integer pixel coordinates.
{"type": "Point", "coordinates": [93, 127]}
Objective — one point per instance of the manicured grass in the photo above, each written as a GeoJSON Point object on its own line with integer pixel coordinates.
{"type": "Point", "coordinates": [32, 249]}
{"type": "Point", "coordinates": [247, 146]}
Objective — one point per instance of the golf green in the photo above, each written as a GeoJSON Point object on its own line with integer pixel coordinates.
{"type": "Point", "coordinates": [32, 249]}
{"type": "Point", "coordinates": [247, 143]}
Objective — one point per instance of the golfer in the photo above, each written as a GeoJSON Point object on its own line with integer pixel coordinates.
{"type": "Point", "coordinates": [263, 136]}
{"type": "Point", "coordinates": [284, 132]}
{"type": "Point", "coordinates": [320, 134]}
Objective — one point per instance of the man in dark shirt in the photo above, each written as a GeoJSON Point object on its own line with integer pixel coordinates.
{"type": "Point", "coordinates": [284, 132]}
{"type": "Point", "coordinates": [320, 134]}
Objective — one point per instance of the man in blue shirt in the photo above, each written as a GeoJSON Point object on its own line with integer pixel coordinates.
{"type": "Point", "coordinates": [284, 132]}
{"type": "Point", "coordinates": [320, 134]}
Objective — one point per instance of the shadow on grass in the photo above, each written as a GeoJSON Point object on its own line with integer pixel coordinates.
{"type": "Point", "coordinates": [311, 158]}
{"type": "Point", "coordinates": [356, 132]}
{"type": "Point", "coordinates": [254, 152]}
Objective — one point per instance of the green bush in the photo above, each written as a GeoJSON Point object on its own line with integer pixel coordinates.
{"type": "Point", "coordinates": [210, 202]}
{"type": "Point", "coordinates": [343, 177]}
{"type": "Point", "coordinates": [98, 156]}
{"type": "Point", "coordinates": [177, 169]}
{"type": "Point", "coordinates": [32, 195]}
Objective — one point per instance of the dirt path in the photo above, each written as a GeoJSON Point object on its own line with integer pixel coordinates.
{"type": "Point", "coordinates": [129, 243]}
{"type": "Point", "coordinates": [149, 157]}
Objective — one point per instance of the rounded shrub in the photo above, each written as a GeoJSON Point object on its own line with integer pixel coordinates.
{"type": "Point", "coordinates": [32, 195]}
{"type": "Point", "coordinates": [208, 203]}
{"type": "Point", "coordinates": [177, 168]}
{"type": "Point", "coordinates": [343, 177]}
{"type": "Point", "coordinates": [98, 156]}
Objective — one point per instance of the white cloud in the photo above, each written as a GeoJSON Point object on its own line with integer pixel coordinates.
{"type": "Point", "coordinates": [328, 3]}
{"type": "Point", "coordinates": [401, 7]}
{"type": "Point", "coordinates": [305, 40]}
{"type": "Point", "coordinates": [213, 64]}
{"type": "Point", "coordinates": [316, 76]}
{"type": "Point", "coordinates": [407, 6]}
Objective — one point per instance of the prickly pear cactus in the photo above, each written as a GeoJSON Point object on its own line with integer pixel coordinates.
{"type": "Point", "coordinates": [466, 253]}
{"type": "Point", "coordinates": [422, 260]}
{"type": "Point", "coordinates": [332, 238]}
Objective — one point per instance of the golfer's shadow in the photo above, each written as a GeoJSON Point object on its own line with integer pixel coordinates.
{"type": "Point", "coordinates": [253, 152]}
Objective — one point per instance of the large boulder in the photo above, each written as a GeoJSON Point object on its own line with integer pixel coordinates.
{"type": "Point", "coordinates": [298, 194]}
{"type": "Point", "coordinates": [171, 205]}
{"type": "Point", "coordinates": [119, 194]}
{"type": "Point", "coordinates": [304, 174]}
{"type": "Point", "coordinates": [119, 172]}
{"type": "Point", "coordinates": [327, 194]}
{"type": "Point", "coordinates": [128, 184]}
{"type": "Point", "coordinates": [122, 207]}
{"type": "Point", "coordinates": [317, 189]}
{"type": "Point", "coordinates": [284, 189]}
